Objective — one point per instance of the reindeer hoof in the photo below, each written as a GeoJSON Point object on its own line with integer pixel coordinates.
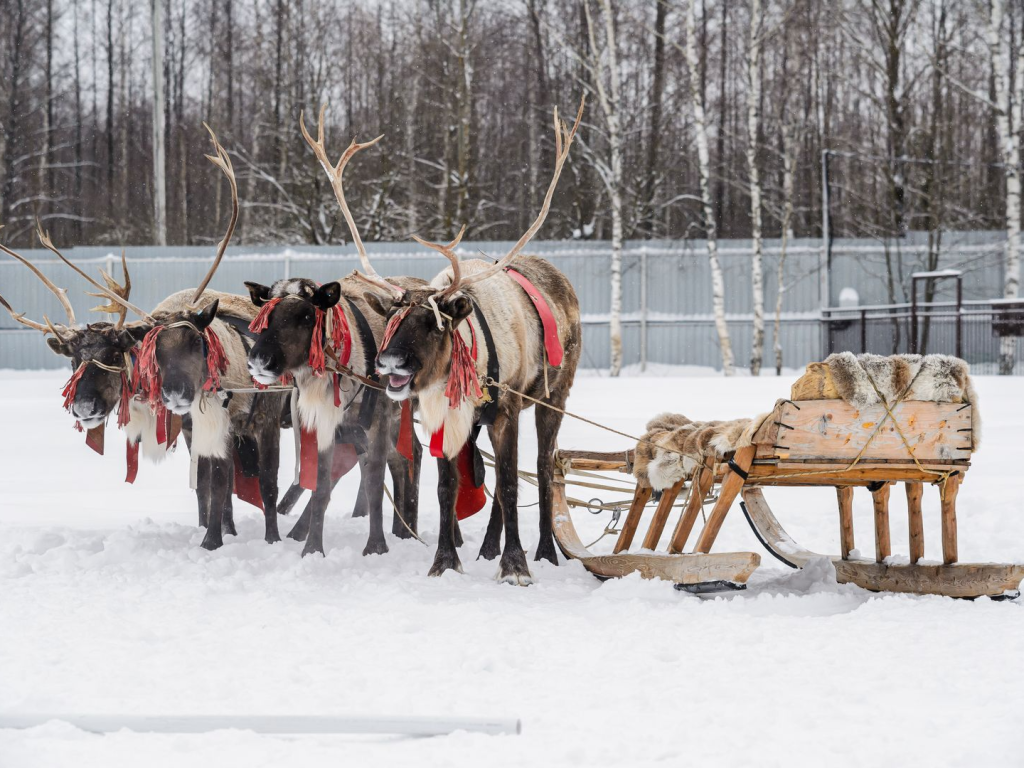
{"type": "Point", "coordinates": [229, 528]}
{"type": "Point", "coordinates": [211, 542]}
{"type": "Point", "coordinates": [298, 533]}
{"type": "Point", "coordinates": [546, 551]}
{"type": "Point", "coordinates": [513, 569]}
{"type": "Point", "coordinates": [444, 563]}
{"type": "Point", "coordinates": [375, 548]}
{"type": "Point", "coordinates": [489, 551]}
{"type": "Point", "coordinates": [313, 549]}
{"type": "Point", "coordinates": [272, 537]}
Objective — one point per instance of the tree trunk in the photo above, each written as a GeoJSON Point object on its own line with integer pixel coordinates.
{"type": "Point", "coordinates": [1009, 105]}
{"type": "Point", "coordinates": [159, 106]}
{"type": "Point", "coordinates": [646, 223]}
{"type": "Point", "coordinates": [753, 131]}
{"type": "Point", "coordinates": [110, 109]}
{"type": "Point", "coordinates": [704, 166]}
{"type": "Point", "coordinates": [78, 131]}
{"type": "Point", "coordinates": [13, 111]}
{"type": "Point", "coordinates": [45, 169]}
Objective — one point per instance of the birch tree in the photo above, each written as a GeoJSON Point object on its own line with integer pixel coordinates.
{"type": "Point", "coordinates": [605, 75]}
{"type": "Point", "coordinates": [159, 161]}
{"type": "Point", "coordinates": [704, 168]}
{"type": "Point", "coordinates": [753, 131]}
{"type": "Point", "coordinates": [1008, 124]}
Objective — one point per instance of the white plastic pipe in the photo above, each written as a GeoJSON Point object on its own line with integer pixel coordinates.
{"type": "Point", "coordinates": [283, 724]}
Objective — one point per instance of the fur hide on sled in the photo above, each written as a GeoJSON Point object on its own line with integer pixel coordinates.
{"type": "Point", "coordinates": [680, 445]}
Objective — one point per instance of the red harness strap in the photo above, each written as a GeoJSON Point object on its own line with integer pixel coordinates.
{"type": "Point", "coordinates": [552, 344]}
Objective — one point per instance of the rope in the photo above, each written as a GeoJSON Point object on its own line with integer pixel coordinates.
{"type": "Point", "coordinates": [399, 515]}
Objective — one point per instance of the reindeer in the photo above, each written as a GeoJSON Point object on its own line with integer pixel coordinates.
{"type": "Point", "coordinates": [189, 357]}
{"type": "Point", "coordinates": [319, 335]}
{"type": "Point", "coordinates": [478, 320]}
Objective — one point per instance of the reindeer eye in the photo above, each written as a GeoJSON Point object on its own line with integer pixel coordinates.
{"type": "Point", "coordinates": [197, 342]}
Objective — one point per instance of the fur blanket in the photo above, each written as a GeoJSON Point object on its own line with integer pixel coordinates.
{"type": "Point", "coordinates": [680, 445]}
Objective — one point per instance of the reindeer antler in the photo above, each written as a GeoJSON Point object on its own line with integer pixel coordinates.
{"type": "Point", "coordinates": [105, 292]}
{"type": "Point", "coordinates": [334, 172]}
{"type": "Point", "coordinates": [563, 141]}
{"type": "Point", "coordinates": [448, 251]}
{"type": "Point", "coordinates": [20, 317]}
{"type": "Point", "coordinates": [222, 161]}
{"type": "Point", "coordinates": [60, 293]}
{"type": "Point", "coordinates": [124, 291]}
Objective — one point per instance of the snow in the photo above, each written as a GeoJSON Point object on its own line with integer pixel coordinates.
{"type": "Point", "coordinates": [108, 605]}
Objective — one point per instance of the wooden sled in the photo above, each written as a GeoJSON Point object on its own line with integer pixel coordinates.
{"type": "Point", "coordinates": [698, 572]}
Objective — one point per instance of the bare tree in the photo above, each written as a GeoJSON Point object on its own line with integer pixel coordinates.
{"type": "Point", "coordinates": [753, 134]}
{"type": "Point", "coordinates": [159, 105]}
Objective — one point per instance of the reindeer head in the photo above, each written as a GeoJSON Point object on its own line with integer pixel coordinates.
{"type": "Point", "coordinates": [180, 358]}
{"type": "Point", "coordinates": [290, 319]}
{"type": "Point", "coordinates": [99, 352]}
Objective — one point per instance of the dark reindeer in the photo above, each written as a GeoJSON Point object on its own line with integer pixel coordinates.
{"type": "Point", "coordinates": [189, 356]}
{"type": "Point", "coordinates": [311, 332]}
{"type": "Point", "coordinates": [428, 356]}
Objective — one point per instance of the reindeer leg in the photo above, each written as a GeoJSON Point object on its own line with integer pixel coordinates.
{"type": "Point", "coordinates": [220, 479]}
{"type": "Point", "coordinates": [548, 421]}
{"type": "Point", "coordinates": [203, 483]}
{"type": "Point", "coordinates": [512, 567]}
{"type": "Point", "coordinates": [373, 484]}
{"type": "Point", "coordinates": [491, 547]}
{"type": "Point", "coordinates": [318, 503]}
{"type": "Point", "coordinates": [227, 501]}
{"type": "Point", "coordinates": [270, 444]}
{"type": "Point", "coordinates": [362, 507]}
{"type": "Point", "coordinates": [291, 496]}
{"type": "Point", "coordinates": [300, 530]}
{"type": "Point", "coordinates": [447, 556]}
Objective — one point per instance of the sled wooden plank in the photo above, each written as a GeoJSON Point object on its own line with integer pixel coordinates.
{"type": "Point", "coordinates": [949, 545]}
{"type": "Point", "coordinates": [814, 474]}
{"type": "Point", "coordinates": [845, 497]}
{"type": "Point", "coordinates": [960, 580]}
{"type": "Point", "coordinates": [883, 543]}
{"type": "Point", "coordinates": [916, 524]}
{"type": "Point", "coordinates": [731, 484]}
{"type": "Point", "coordinates": [636, 511]}
{"type": "Point", "coordinates": [699, 488]}
{"type": "Point", "coordinates": [598, 460]}
{"type": "Point", "coordinates": [839, 430]}
{"type": "Point", "coordinates": [668, 498]}
{"type": "Point", "coordinates": [734, 567]}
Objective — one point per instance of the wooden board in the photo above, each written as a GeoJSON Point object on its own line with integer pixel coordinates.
{"type": "Point", "coordinates": [838, 431]}
{"type": "Point", "coordinates": [960, 580]}
{"type": "Point", "coordinates": [734, 567]}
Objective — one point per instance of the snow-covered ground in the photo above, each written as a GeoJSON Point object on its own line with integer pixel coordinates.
{"type": "Point", "coordinates": [108, 605]}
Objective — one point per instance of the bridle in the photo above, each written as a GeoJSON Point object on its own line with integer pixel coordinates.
{"type": "Point", "coordinates": [127, 389]}
{"type": "Point", "coordinates": [147, 369]}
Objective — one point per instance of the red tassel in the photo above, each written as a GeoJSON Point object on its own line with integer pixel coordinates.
{"type": "Point", "coordinates": [469, 498]}
{"type": "Point", "coordinates": [216, 360]}
{"type": "Point", "coordinates": [161, 424]}
{"type": "Point", "coordinates": [71, 387]}
{"type": "Point", "coordinates": [147, 369]}
{"type": "Point", "coordinates": [262, 319]}
{"type": "Point", "coordinates": [308, 458]}
{"type": "Point", "coordinates": [404, 445]}
{"type": "Point", "coordinates": [341, 338]}
{"type": "Point", "coordinates": [462, 378]}
{"type": "Point", "coordinates": [317, 359]}
{"type": "Point", "coordinates": [247, 489]}
{"type": "Point", "coordinates": [94, 438]}
{"type": "Point", "coordinates": [437, 443]}
{"type": "Point", "coordinates": [124, 414]}
{"type": "Point", "coordinates": [392, 327]}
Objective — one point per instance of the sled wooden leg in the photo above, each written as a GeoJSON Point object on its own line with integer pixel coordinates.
{"type": "Point", "coordinates": [636, 511]}
{"type": "Point", "coordinates": [883, 544]}
{"type": "Point", "coordinates": [949, 553]}
{"type": "Point", "coordinates": [732, 482]}
{"type": "Point", "coordinates": [845, 495]}
{"type": "Point", "coordinates": [700, 485]}
{"type": "Point", "coordinates": [668, 498]}
{"type": "Point", "coordinates": [914, 493]}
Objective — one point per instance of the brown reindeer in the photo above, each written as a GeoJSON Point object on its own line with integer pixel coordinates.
{"type": "Point", "coordinates": [311, 332]}
{"type": "Point", "coordinates": [428, 354]}
{"type": "Point", "coordinates": [189, 357]}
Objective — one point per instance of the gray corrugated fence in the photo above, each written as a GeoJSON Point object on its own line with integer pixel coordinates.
{"type": "Point", "coordinates": [666, 287]}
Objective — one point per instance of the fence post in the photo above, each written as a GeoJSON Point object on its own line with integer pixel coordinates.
{"type": "Point", "coordinates": [643, 309]}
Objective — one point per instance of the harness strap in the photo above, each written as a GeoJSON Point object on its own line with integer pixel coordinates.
{"type": "Point", "coordinates": [490, 409]}
{"type": "Point", "coordinates": [370, 395]}
{"type": "Point", "coordinates": [552, 344]}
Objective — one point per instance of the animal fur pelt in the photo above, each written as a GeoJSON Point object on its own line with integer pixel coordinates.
{"type": "Point", "coordinates": [849, 377]}
{"type": "Point", "coordinates": [673, 446]}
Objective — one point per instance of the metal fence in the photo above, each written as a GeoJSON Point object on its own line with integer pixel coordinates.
{"type": "Point", "coordinates": [667, 313]}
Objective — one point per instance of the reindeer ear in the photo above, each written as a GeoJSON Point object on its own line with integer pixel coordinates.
{"type": "Point", "coordinates": [326, 296]}
{"type": "Point", "coordinates": [59, 347]}
{"type": "Point", "coordinates": [380, 304]}
{"type": "Point", "coordinates": [458, 307]}
{"type": "Point", "coordinates": [205, 316]}
{"type": "Point", "coordinates": [138, 331]}
{"type": "Point", "coordinates": [125, 340]}
{"type": "Point", "coordinates": [260, 294]}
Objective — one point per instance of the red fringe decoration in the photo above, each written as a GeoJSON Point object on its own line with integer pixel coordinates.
{"type": "Point", "coordinates": [71, 387]}
{"type": "Point", "coordinates": [262, 319]}
{"type": "Point", "coordinates": [392, 327]}
{"type": "Point", "coordinates": [123, 407]}
{"type": "Point", "coordinates": [317, 359]}
{"type": "Point", "coordinates": [216, 360]}
{"type": "Point", "coordinates": [147, 370]}
{"type": "Point", "coordinates": [462, 378]}
{"type": "Point", "coordinates": [340, 336]}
